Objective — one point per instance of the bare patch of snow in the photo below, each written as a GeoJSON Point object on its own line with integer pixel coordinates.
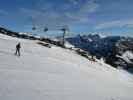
{"type": "Point", "coordinates": [127, 56]}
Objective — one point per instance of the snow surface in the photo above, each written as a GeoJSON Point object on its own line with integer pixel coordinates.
{"type": "Point", "coordinates": [68, 45]}
{"type": "Point", "coordinates": [43, 73]}
{"type": "Point", "coordinates": [127, 56]}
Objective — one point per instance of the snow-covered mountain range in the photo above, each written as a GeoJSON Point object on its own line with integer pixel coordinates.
{"type": "Point", "coordinates": [111, 48]}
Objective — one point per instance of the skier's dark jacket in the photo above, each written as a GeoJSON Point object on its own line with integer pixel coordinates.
{"type": "Point", "coordinates": [18, 46]}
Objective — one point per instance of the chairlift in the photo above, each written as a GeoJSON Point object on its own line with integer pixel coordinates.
{"type": "Point", "coordinates": [33, 28]}
{"type": "Point", "coordinates": [45, 29]}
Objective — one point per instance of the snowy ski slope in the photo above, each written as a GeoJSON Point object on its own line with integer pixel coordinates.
{"type": "Point", "coordinates": [42, 73]}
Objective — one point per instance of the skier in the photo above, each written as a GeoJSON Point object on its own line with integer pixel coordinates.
{"type": "Point", "coordinates": [18, 46]}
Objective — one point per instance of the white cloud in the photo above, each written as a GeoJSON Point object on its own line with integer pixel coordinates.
{"type": "Point", "coordinates": [116, 23]}
{"type": "Point", "coordinates": [49, 14]}
{"type": "Point", "coordinates": [83, 11]}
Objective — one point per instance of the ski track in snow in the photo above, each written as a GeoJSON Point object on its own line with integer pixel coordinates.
{"type": "Point", "coordinates": [57, 74]}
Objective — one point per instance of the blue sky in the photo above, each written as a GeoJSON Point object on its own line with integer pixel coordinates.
{"type": "Point", "coordinates": [108, 17]}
